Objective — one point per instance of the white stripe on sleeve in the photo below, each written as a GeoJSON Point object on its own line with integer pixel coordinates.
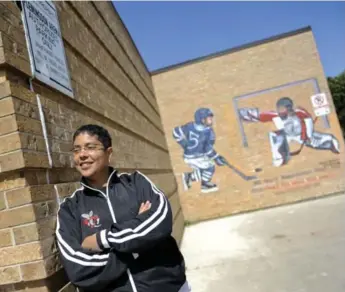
{"type": "Point", "coordinates": [104, 239]}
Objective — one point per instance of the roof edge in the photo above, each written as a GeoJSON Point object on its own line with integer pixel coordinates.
{"type": "Point", "coordinates": [232, 50]}
{"type": "Point", "coordinates": [131, 38]}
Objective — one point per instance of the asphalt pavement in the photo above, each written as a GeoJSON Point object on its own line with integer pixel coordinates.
{"type": "Point", "coordinates": [294, 248]}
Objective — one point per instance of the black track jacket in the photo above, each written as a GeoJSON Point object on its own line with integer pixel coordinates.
{"type": "Point", "coordinates": [139, 253]}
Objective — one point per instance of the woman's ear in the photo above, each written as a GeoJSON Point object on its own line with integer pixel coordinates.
{"type": "Point", "coordinates": [110, 153]}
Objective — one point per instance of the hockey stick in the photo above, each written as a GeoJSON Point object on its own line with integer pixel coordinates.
{"type": "Point", "coordinates": [294, 153]}
{"type": "Point", "coordinates": [240, 173]}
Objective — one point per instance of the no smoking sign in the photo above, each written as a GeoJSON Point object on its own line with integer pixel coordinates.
{"type": "Point", "coordinates": [320, 104]}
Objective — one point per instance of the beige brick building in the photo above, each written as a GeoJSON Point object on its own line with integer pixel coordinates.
{"type": "Point", "coordinates": [113, 88]}
{"type": "Point", "coordinates": [254, 76]}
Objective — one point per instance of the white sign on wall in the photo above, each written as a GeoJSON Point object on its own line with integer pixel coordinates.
{"type": "Point", "coordinates": [47, 53]}
{"type": "Point", "coordinates": [320, 104]}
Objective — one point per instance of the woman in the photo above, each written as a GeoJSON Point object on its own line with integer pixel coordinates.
{"type": "Point", "coordinates": [114, 233]}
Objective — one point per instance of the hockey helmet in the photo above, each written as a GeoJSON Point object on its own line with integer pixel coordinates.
{"type": "Point", "coordinates": [201, 114]}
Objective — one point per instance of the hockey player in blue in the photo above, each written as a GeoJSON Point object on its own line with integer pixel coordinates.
{"type": "Point", "coordinates": [197, 140]}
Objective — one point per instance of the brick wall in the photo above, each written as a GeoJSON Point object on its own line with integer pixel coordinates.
{"type": "Point", "coordinates": [256, 76]}
{"type": "Point", "coordinates": [112, 88]}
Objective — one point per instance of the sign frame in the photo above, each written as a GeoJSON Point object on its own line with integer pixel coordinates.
{"type": "Point", "coordinates": [52, 61]}
{"type": "Point", "coordinates": [320, 104]}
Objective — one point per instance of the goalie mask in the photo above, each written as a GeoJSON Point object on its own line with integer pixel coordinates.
{"type": "Point", "coordinates": [285, 107]}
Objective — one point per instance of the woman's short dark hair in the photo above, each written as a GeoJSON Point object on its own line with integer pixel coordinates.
{"type": "Point", "coordinates": [102, 134]}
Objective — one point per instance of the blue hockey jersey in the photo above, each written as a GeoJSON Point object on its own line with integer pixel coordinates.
{"type": "Point", "coordinates": [196, 140]}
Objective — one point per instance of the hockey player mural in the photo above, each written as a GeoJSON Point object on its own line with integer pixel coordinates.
{"type": "Point", "coordinates": [293, 124]}
{"type": "Point", "coordinates": [197, 140]}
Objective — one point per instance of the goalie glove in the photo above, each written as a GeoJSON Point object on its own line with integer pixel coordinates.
{"type": "Point", "coordinates": [249, 114]}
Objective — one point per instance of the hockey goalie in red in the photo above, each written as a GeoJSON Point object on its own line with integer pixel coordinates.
{"type": "Point", "coordinates": [293, 124]}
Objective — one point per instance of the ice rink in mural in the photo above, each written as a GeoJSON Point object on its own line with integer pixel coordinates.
{"type": "Point", "coordinates": [293, 124]}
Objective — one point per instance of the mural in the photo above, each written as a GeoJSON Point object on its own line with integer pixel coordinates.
{"type": "Point", "coordinates": [293, 128]}
{"type": "Point", "coordinates": [197, 140]}
{"type": "Point", "coordinates": [293, 125]}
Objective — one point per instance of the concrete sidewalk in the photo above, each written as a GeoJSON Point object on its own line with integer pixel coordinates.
{"type": "Point", "coordinates": [295, 248]}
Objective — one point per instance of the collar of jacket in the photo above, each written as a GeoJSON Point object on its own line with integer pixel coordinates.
{"type": "Point", "coordinates": [111, 179]}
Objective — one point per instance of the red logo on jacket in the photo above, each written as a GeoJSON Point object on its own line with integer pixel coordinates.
{"type": "Point", "coordinates": [91, 220]}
